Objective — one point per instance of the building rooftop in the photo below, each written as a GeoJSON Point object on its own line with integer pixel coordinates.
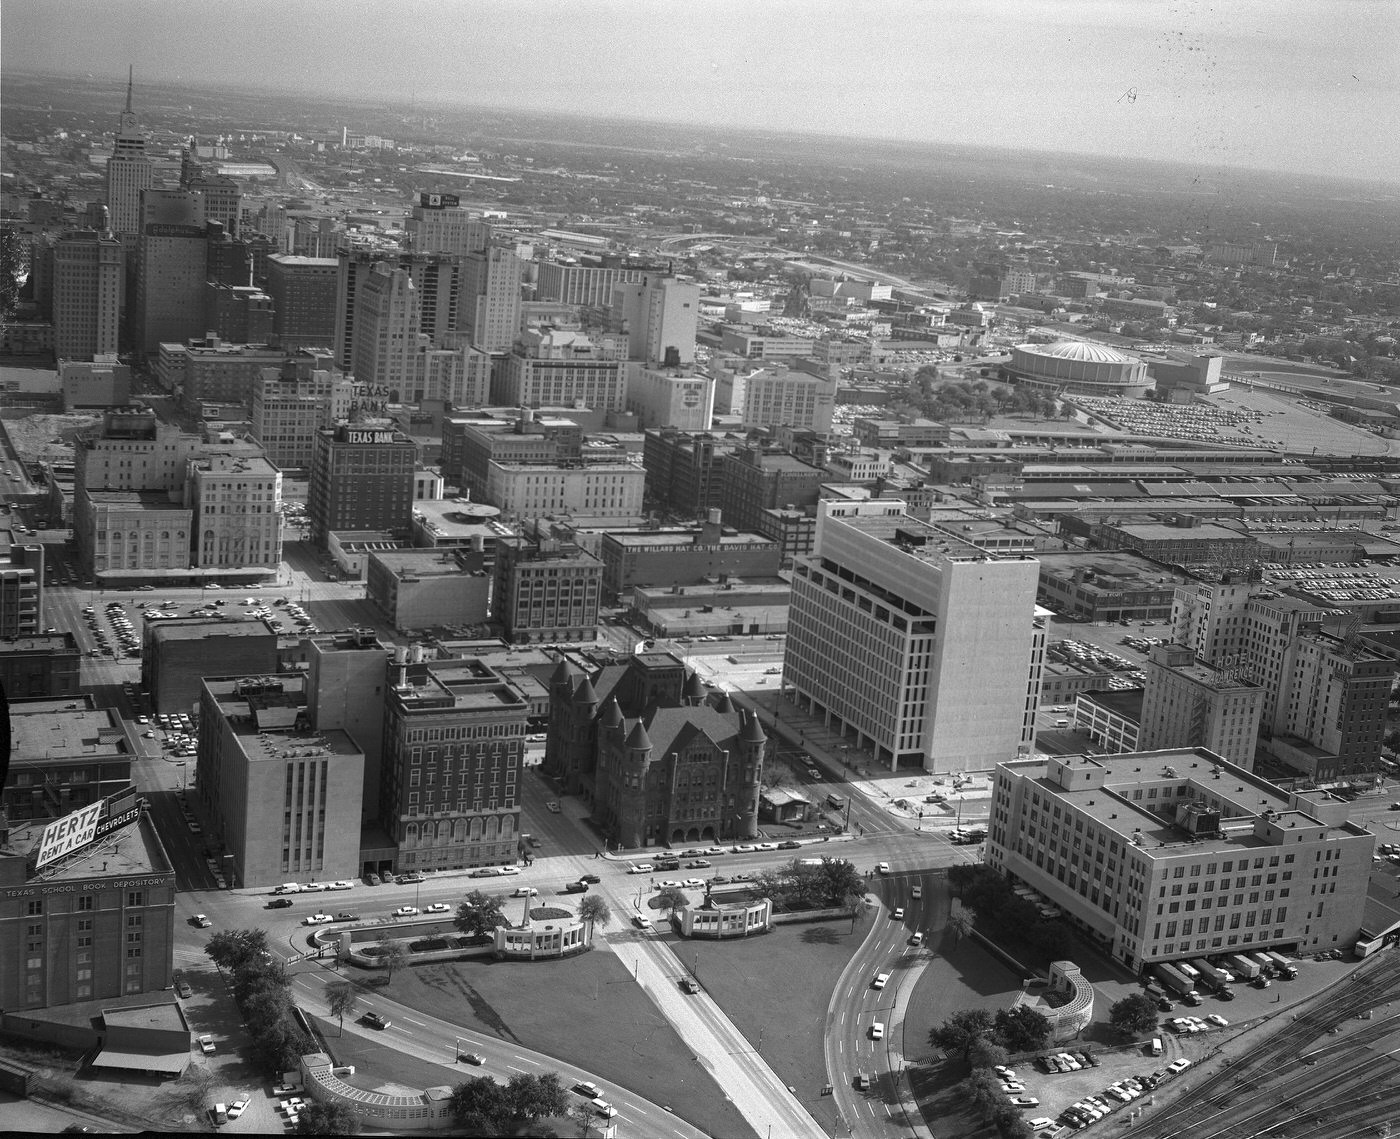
{"type": "Point", "coordinates": [428, 562]}
{"type": "Point", "coordinates": [1110, 570]}
{"type": "Point", "coordinates": [198, 628]}
{"type": "Point", "coordinates": [267, 715]}
{"type": "Point", "coordinates": [1126, 702]}
{"type": "Point", "coordinates": [38, 642]}
{"type": "Point", "coordinates": [464, 684]}
{"type": "Point", "coordinates": [127, 852]}
{"type": "Point", "coordinates": [235, 462]}
{"type": "Point", "coordinates": [135, 499]}
{"type": "Point", "coordinates": [52, 729]}
{"type": "Point", "coordinates": [681, 539]}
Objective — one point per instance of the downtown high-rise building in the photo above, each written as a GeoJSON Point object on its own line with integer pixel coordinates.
{"type": "Point", "coordinates": [130, 171]}
{"type": "Point", "coordinates": [387, 338]}
{"type": "Point", "coordinates": [491, 298]}
{"type": "Point", "coordinates": [437, 224]}
{"type": "Point", "coordinates": [172, 265]}
{"type": "Point", "coordinates": [303, 300]}
{"type": "Point", "coordinates": [660, 314]}
{"type": "Point", "coordinates": [915, 644]}
{"type": "Point", "coordinates": [88, 288]}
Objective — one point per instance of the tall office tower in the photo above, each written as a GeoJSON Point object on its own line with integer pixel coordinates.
{"type": "Point", "coordinates": [556, 368]}
{"type": "Point", "coordinates": [911, 641]}
{"type": "Point", "coordinates": [1186, 703]}
{"type": "Point", "coordinates": [490, 311]}
{"type": "Point", "coordinates": [239, 314]}
{"type": "Point", "coordinates": [459, 376]}
{"type": "Point", "coordinates": [236, 496]}
{"type": "Point", "coordinates": [438, 225]}
{"type": "Point", "coordinates": [670, 397]}
{"type": "Point", "coordinates": [454, 749]}
{"type": "Point", "coordinates": [129, 172]}
{"type": "Point", "coordinates": [590, 284]}
{"type": "Point", "coordinates": [546, 591]}
{"type": "Point", "coordinates": [387, 340]}
{"type": "Point", "coordinates": [172, 265]}
{"type": "Point", "coordinates": [361, 479]}
{"type": "Point", "coordinates": [88, 287]}
{"type": "Point", "coordinates": [661, 759]}
{"type": "Point", "coordinates": [282, 793]}
{"type": "Point", "coordinates": [786, 397]}
{"type": "Point", "coordinates": [660, 315]}
{"type": "Point", "coordinates": [303, 300]}
{"type": "Point", "coordinates": [435, 276]}
{"type": "Point", "coordinates": [222, 199]}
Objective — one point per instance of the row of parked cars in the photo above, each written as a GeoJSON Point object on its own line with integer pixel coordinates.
{"type": "Point", "coordinates": [1093, 1107]}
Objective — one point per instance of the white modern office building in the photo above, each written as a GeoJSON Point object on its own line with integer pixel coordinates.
{"type": "Point", "coordinates": [920, 646]}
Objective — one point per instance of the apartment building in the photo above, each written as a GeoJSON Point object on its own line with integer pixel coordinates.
{"type": "Point", "coordinates": [559, 368]}
{"type": "Point", "coordinates": [922, 647]}
{"type": "Point", "coordinates": [546, 591]}
{"type": "Point", "coordinates": [1164, 855]}
{"type": "Point", "coordinates": [1187, 703]}
{"type": "Point", "coordinates": [236, 498]}
{"type": "Point", "coordinates": [592, 490]}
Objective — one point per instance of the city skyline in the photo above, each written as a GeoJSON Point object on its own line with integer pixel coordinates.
{"type": "Point", "coordinates": [1180, 82]}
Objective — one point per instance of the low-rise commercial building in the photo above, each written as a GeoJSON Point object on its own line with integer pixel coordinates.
{"type": "Point", "coordinates": [546, 591]}
{"type": "Point", "coordinates": [684, 556]}
{"type": "Point", "coordinates": [419, 589]}
{"type": "Point", "coordinates": [40, 665]}
{"type": "Point", "coordinates": [179, 652]}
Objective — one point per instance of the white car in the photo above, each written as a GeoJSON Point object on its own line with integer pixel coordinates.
{"type": "Point", "coordinates": [877, 1031]}
{"type": "Point", "coordinates": [312, 887]}
{"type": "Point", "coordinates": [552, 806]}
{"type": "Point", "coordinates": [694, 883]}
{"type": "Point", "coordinates": [1219, 1021]}
{"type": "Point", "coordinates": [438, 908]}
{"type": "Point", "coordinates": [1178, 1066]}
{"type": "Point", "coordinates": [1004, 1072]}
{"type": "Point", "coordinates": [524, 892]}
{"type": "Point", "coordinates": [507, 869]}
{"type": "Point", "coordinates": [405, 911]}
{"type": "Point", "coordinates": [640, 868]}
{"type": "Point", "coordinates": [1025, 1101]}
{"type": "Point", "coordinates": [1011, 1087]}
{"type": "Point", "coordinates": [917, 892]}
{"type": "Point", "coordinates": [881, 980]}
{"type": "Point", "coordinates": [206, 1044]}
{"type": "Point", "coordinates": [343, 884]}
{"type": "Point", "coordinates": [898, 913]}
{"type": "Point", "coordinates": [667, 883]}
{"type": "Point", "coordinates": [883, 868]}
{"type": "Point", "coordinates": [317, 919]}
{"type": "Point", "coordinates": [237, 1108]}
{"type": "Point", "coordinates": [1044, 1123]}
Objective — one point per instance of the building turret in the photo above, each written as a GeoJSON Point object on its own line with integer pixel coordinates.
{"type": "Point", "coordinates": [694, 691]}
{"type": "Point", "coordinates": [724, 705]}
{"type": "Point", "coordinates": [752, 731]}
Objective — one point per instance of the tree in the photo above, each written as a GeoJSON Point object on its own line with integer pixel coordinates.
{"type": "Point", "coordinates": [1133, 1016]}
{"type": "Point", "coordinates": [531, 1097]}
{"type": "Point", "coordinates": [960, 922]}
{"type": "Point", "coordinates": [480, 914]}
{"type": "Point", "coordinates": [231, 948]}
{"type": "Point", "coordinates": [985, 1053]}
{"type": "Point", "coordinates": [1021, 1029]}
{"type": "Point", "coordinates": [582, 1114]}
{"type": "Point", "coordinates": [342, 1001]}
{"type": "Point", "coordinates": [594, 909]}
{"type": "Point", "coordinates": [671, 899]}
{"type": "Point", "coordinates": [1010, 1123]}
{"type": "Point", "coordinates": [480, 1098]}
{"type": "Point", "coordinates": [265, 1009]}
{"type": "Point", "coordinates": [318, 1118]}
{"type": "Point", "coordinates": [983, 1091]}
{"type": "Point", "coordinates": [960, 1031]}
{"type": "Point", "coordinates": [391, 952]}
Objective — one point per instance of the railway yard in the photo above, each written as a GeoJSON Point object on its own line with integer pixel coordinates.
{"type": "Point", "coordinates": [1330, 1071]}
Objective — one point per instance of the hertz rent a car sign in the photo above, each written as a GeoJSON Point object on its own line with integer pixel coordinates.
{"type": "Point", "coordinates": [69, 833]}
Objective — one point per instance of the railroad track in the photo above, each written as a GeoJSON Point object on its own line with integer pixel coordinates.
{"type": "Point", "coordinates": [1306, 1079]}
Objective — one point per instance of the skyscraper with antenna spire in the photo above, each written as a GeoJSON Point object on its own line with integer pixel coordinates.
{"type": "Point", "coordinates": [129, 171]}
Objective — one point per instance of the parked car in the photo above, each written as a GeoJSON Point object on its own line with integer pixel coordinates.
{"type": "Point", "coordinates": [206, 1044]}
{"type": "Point", "coordinates": [317, 919]}
{"type": "Point", "coordinates": [201, 921]}
{"type": "Point", "coordinates": [183, 989]}
{"type": "Point", "coordinates": [405, 911]}
{"type": "Point", "coordinates": [438, 908]}
{"type": "Point", "coordinates": [343, 916]}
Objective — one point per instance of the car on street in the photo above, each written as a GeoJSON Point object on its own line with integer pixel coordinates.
{"type": "Point", "coordinates": [897, 913]}
{"type": "Point", "coordinates": [405, 911]}
{"type": "Point", "coordinates": [588, 1090]}
{"type": "Point", "coordinates": [552, 805]}
{"type": "Point", "coordinates": [576, 888]}
{"type": "Point", "coordinates": [881, 980]}
{"type": "Point", "coordinates": [183, 989]}
{"type": "Point", "coordinates": [472, 1058]}
{"type": "Point", "coordinates": [592, 878]}
{"type": "Point", "coordinates": [668, 883]}
{"type": "Point", "coordinates": [438, 908]}
{"type": "Point", "coordinates": [790, 844]}
{"type": "Point", "coordinates": [640, 868]}
{"type": "Point", "coordinates": [345, 916]}
{"type": "Point", "coordinates": [877, 1031]}
{"type": "Point", "coordinates": [698, 864]}
{"type": "Point", "coordinates": [206, 1044]}
{"type": "Point", "coordinates": [376, 1020]}
{"type": "Point", "coordinates": [201, 921]}
{"type": "Point", "coordinates": [690, 984]}
{"type": "Point", "coordinates": [343, 884]}
{"type": "Point", "coordinates": [317, 919]}
{"type": "Point", "coordinates": [278, 904]}
{"type": "Point", "coordinates": [694, 883]}
{"type": "Point", "coordinates": [883, 868]}
{"type": "Point", "coordinates": [524, 892]}
{"type": "Point", "coordinates": [917, 892]}
{"type": "Point", "coordinates": [916, 938]}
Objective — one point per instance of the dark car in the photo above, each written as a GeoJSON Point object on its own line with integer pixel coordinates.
{"type": "Point", "coordinates": [409, 879]}
{"type": "Point", "coordinates": [343, 916]}
{"type": "Point", "coordinates": [1165, 1005]}
{"type": "Point", "coordinates": [1224, 994]}
{"type": "Point", "coordinates": [789, 845]}
{"type": "Point", "coordinates": [374, 1020]}
{"type": "Point", "coordinates": [668, 863]}
{"type": "Point", "coordinates": [576, 888]}
{"type": "Point", "coordinates": [1093, 1060]}
{"type": "Point", "coordinates": [690, 984]}
{"type": "Point", "coordinates": [589, 878]}
{"type": "Point", "coordinates": [278, 904]}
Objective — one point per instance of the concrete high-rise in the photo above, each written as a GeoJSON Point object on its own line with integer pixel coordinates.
{"type": "Point", "coordinates": [660, 315]}
{"type": "Point", "coordinates": [491, 298]}
{"type": "Point", "coordinates": [920, 646]}
{"type": "Point", "coordinates": [387, 341]}
{"type": "Point", "coordinates": [89, 286]}
{"type": "Point", "coordinates": [436, 277]}
{"type": "Point", "coordinates": [172, 264]}
{"type": "Point", "coordinates": [303, 297]}
{"type": "Point", "coordinates": [130, 171]}
{"type": "Point", "coordinates": [438, 225]}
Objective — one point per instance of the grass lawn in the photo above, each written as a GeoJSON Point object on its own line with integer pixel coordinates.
{"type": "Point", "coordinates": [587, 1011]}
{"type": "Point", "coordinates": [776, 987]}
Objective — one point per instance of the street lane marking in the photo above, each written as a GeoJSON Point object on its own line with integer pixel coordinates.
{"type": "Point", "coordinates": [410, 1020]}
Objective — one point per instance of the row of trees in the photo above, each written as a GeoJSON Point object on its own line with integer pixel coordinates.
{"type": "Point", "coordinates": [833, 884]}
{"type": "Point", "coordinates": [983, 1041]}
{"type": "Point", "coordinates": [260, 987]}
{"type": "Point", "coordinates": [1000, 910]}
{"type": "Point", "coordinates": [482, 1107]}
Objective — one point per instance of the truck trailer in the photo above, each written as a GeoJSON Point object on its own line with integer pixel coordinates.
{"type": "Point", "coordinates": [1282, 964]}
{"type": "Point", "coordinates": [1172, 979]}
{"type": "Point", "coordinates": [1192, 973]}
{"type": "Point", "coordinates": [1213, 973]}
{"type": "Point", "coordinates": [1243, 967]}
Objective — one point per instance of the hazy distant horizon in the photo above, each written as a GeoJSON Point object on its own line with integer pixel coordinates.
{"type": "Point", "coordinates": [1311, 87]}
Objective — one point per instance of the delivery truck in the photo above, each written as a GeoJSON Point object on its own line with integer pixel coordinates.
{"type": "Point", "coordinates": [1242, 967]}
{"type": "Point", "coordinates": [1173, 980]}
{"type": "Point", "coordinates": [1282, 965]}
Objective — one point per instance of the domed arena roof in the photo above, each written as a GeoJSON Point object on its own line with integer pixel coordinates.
{"type": "Point", "coordinates": [1082, 350]}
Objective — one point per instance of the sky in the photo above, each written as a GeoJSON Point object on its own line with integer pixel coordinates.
{"type": "Point", "coordinates": [1311, 86]}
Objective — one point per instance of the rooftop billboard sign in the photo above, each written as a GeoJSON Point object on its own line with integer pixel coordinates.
{"type": "Point", "coordinates": [70, 833]}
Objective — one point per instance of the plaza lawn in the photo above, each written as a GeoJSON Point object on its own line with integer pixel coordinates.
{"type": "Point", "coordinates": [775, 987]}
{"type": "Point", "coordinates": [586, 1010]}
